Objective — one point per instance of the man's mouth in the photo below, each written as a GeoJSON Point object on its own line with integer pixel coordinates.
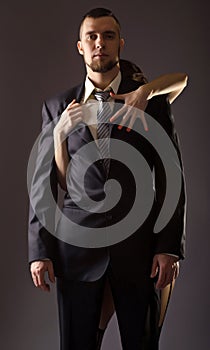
{"type": "Point", "coordinates": [100, 55]}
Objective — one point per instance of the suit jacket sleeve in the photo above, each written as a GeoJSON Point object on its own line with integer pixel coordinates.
{"type": "Point", "coordinates": [43, 190]}
{"type": "Point", "coordinates": [171, 239]}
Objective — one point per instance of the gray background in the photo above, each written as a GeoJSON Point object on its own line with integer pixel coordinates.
{"type": "Point", "coordinates": [38, 59]}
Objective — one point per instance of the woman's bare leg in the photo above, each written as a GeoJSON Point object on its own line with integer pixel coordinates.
{"type": "Point", "coordinates": [107, 311]}
{"type": "Point", "coordinates": [108, 308]}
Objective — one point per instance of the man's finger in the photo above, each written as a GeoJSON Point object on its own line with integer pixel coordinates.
{"type": "Point", "coordinates": [73, 107]}
{"type": "Point", "coordinates": [166, 276]}
{"type": "Point", "coordinates": [44, 286]}
{"type": "Point", "coordinates": [154, 270]}
{"type": "Point", "coordinates": [35, 280]}
{"type": "Point", "coordinates": [161, 282]}
{"type": "Point", "coordinates": [40, 279]}
{"type": "Point", "coordinates": [51, 274]}
{"type": "Point", "coordinates": [71, 103]}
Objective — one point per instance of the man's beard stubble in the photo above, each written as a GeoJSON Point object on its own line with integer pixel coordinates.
{"type": "Point", "coordinates": [100, 67]}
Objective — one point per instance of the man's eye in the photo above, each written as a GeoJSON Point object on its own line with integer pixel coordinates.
{"type": "Point", "coordinates": [109, 36]}
{"type": "Point", "coordinates": [92, 37]}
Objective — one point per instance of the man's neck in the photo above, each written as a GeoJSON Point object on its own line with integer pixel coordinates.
{"type": "Point", "coordinates": [102, 80]}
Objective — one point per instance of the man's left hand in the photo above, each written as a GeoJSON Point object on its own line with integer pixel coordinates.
{"type": "Point", "coordinates": [167, 269]}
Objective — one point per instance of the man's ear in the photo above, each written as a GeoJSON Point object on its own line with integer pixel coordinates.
{"type": "Point", "coordinates": [79, 47]}
{"type": "Point", "coordinates": [122, 43]}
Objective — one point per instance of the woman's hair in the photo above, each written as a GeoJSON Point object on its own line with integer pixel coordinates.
{"type": "Point", "coordinates": [132, 71]}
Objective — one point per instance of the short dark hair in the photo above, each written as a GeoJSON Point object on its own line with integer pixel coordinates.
{"type": "Point", "coordinates": [99, 12]}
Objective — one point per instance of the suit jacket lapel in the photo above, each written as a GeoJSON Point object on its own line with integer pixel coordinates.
{"type": "Point", "coordinates": [128, 85]}
{"type": "Point", "coordinates": [77, 94]}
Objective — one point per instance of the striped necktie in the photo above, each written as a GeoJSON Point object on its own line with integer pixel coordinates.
{"type": "Point", "coordinates": [103, 130]}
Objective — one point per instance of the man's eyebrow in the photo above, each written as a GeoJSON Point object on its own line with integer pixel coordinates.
{"type": "Point", "coordinates": [105, 32]}
{"type": "Point", "coordinates": [109, 32]}
{"type": "Point", "coordinates": [90, 32]}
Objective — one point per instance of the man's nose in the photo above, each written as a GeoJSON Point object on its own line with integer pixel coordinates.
{"type": "Point", "coordinates": [100, 42]}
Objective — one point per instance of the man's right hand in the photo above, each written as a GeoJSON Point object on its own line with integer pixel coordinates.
{"type": "Point", "coordinates": [69, 119]}
{"type": "Point", "coordinates": [38, 270]}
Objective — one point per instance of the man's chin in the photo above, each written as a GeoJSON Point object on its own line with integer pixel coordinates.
{"type": "Point", "coordinates": [102, 67]}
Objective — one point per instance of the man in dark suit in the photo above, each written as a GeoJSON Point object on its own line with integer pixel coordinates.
{"type": "Point", "coordinates": [131, 263]}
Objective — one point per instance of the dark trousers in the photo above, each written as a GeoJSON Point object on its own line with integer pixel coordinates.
{"type": "Point", "coordinates": [79, 305]}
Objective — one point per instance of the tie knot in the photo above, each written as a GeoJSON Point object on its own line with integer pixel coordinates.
{"type": "Point", "coordinates": [102, 95]}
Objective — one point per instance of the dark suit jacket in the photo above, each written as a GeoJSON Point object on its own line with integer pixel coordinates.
{"type": "Point", "coordinates": [131, 257]}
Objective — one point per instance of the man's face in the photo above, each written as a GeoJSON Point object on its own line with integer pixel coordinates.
{"type": "Point", "coordinates": [100, 43]}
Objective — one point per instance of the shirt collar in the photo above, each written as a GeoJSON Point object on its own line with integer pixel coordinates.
{"type": "Point", "coordinates": [89, 86]}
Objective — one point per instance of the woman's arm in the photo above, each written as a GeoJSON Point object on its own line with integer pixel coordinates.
{"type": "Point", "coordinates": [171, 84]}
